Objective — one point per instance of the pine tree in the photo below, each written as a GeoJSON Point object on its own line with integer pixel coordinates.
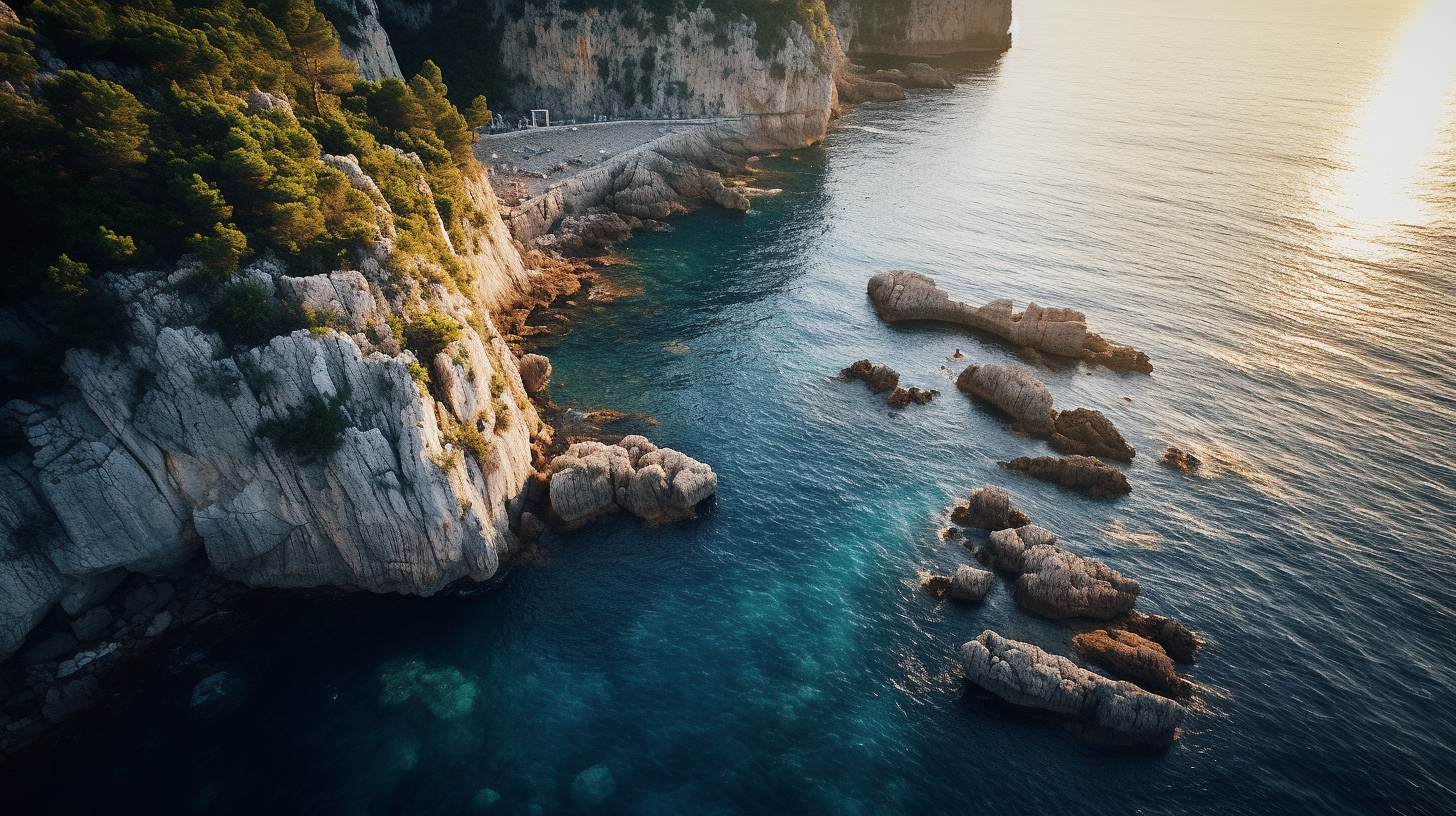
{"type": "Point", "coordinates": [315, 51]}
{"type": "Point", "coordinates": [479, 114]}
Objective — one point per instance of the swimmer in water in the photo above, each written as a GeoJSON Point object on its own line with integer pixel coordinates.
{"type": "Point", "coordinates": [958, 355]}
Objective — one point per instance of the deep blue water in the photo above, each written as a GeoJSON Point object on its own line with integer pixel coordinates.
{"type": "Point", "coordinates": [1236, 191]}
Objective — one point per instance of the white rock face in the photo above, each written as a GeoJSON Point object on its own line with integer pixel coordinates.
{"type": "Point", "coordinates": [656, 484]}
{"type": "Point", "coordinates": [1012, 389]}
{"type": "Point", "coordinates": [156, 454]}
{"type": "Point", "coordinates": [615, 61]}
{"type": "Point", "coordinates": [903, 295]}
{"type": "Point", "coordinates": [1055, 582]}
{"type": "Point", "coordinates": [362, 38]}
{"type": "Point", "coordinates": [921, 27]}
{"type": "Point", "coordinates": [1112, 710]}
{"type": "Point", "coordinates": [970, 584]}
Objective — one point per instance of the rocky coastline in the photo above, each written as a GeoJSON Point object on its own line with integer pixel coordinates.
{"type": "Point", "coordinates": [176, 471]}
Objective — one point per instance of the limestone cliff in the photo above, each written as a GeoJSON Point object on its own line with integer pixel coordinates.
{"type": "Point", "coordinates": [362, 37]}
{"type": "Point", "coordinates": [919, 28]}
{"type": "Point", "coordinates": [621, 60]}
{"type": "Point", "coordinates": [171, 446]}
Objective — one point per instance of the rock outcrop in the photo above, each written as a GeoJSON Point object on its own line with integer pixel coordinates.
{"type": "Point", "coordinates": [600, 205]}
{"type": "Point", "coordinates": [915, 75]}
{"type": "Point", "coordinates": [313, 458]}
{"type": "Point", "coordinates": [1085, 432]}
{"type": "Point", "coordinates": [902, 397]}
{"type": "Point", "coordinates": [1179, 459]}
{"type": "Point", "coordinates": [362, 38]}
{"type": "Point", "coordinates": [1055, 582]}
{"type": "Point", "coordinates": [879, 378]}
{"type": "Point", "coordinates": [655, 484]}
{"type": "Point", "coordinates": [968, 584]}
{"type": "Point", "coordinates": [1134, 657]}
{"type": "Point", "coordinates": [1012, 389]}
{"type": "Point", "coordinates": [854, 89]}
{"type": "Point", "coordinates": [535, 375]}
{"type": "Point", "coordinates": [1181, 643]}
{"type": "Point", "coordinates": [918, 28]}
{"type": "Point", "coordinates": [1107, 710]}
{"type": "Point", "coordinates": [1084, 474]}
{"type": "Point", "coordinates": [900, 295]}
{"type": "Point", "coordinates": [989, 508]}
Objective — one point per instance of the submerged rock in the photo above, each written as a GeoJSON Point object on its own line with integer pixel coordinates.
{"type": "Point", "coordinates": [1055, 582]}
{"type": "Point", "coordinates": [1179, 459]}
{"type": "Point", "coordinates": [593, 786]}
{"type": "Point", "coordinates": [902, 397]}
{"type": "Point", "coordinates": [1181, 643]}
{"type": "Point", "coordinates": [444, 690]}
{"type": "Point", "coordinates": [1134, 657]}
{"type": "Point", "coordinates": [989, 508]}
{"type": "Point", "coordinates": [656, 484]}
{"type": "Point", "coordinates": [73, 697]}
{"type": "Point", "coordinates": [1012, 389]}
{"type": "Point", "coordinates": [1082, 473]}
{"type": "Point", "coordinates": [1108, 710]}
{"type": "Point", "coordinates": [903, 295]}
{"type": "Point", "coordinates": [1086, 432]}
{"type": "Point", "coordinates": [878, 377]}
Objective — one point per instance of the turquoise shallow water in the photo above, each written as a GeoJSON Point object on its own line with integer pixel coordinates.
{"type": "Point", "coordinates": [1208, 185]}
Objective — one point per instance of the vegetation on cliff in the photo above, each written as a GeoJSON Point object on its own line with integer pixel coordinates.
{"type": "Point", "coordinates": [136, 132]}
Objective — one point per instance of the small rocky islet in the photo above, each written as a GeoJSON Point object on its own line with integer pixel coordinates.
{"type": "Point", "coordinates": [1049, 580]}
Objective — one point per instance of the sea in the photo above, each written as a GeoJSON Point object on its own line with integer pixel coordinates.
{"type": "Point", "coordinates": [1260, 195]}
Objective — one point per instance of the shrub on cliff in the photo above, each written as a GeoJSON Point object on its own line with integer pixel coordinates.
{"type": "Point", "coordinates": [428, 334]}
{"type": "Point", "coordinates": [312, 431]}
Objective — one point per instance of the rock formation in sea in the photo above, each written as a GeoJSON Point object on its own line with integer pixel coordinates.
{"type": "Point", "coordinates": [1183, 460]}
{"type": "Point", "coordinates": [1108, 711]}
{"type": "Point", "coordinates": [989, 508]}
{"type": "Point", "coordinates": [900, 295]}
{"type": "Point", "coordinates": [655, 484]}
{"type": "Point", "coordinates": [1012, 389]}
{"type": "Point", "coordinates": [968, 584]}
{"type": "Point", "coordinates": [1134, 657]}
{"type": "Point", "coordinates": [1054, 582]}
{"type": "Point", "coordinates": [918, 28]}
{"type": "Point", "coordinates": [879, 378]}
{"type": "Point", "coordinates": [1085, 432]}
{"type": "Point", "coordinates": [1084, 474]}
{"type": "Point", "coordinates": [902, 397]}
{"type": "Point", "coordinates": [1019, 393]}
{"type": "Point", "coordinates": [1181, 643]}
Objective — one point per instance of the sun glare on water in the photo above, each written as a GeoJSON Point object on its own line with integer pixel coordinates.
{"type": "Point", "coordinates": [1391, 150]}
